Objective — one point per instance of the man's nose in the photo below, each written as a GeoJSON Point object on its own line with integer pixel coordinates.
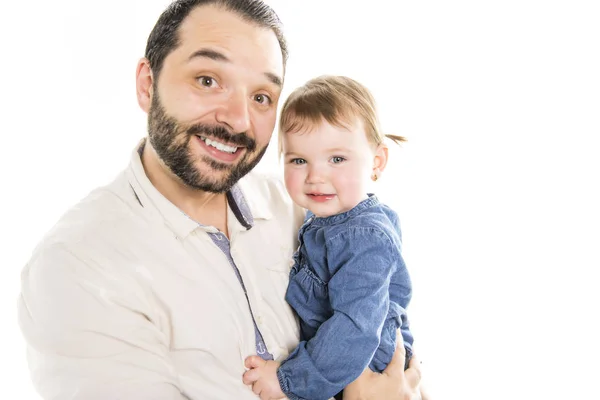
{"type": "Point", "coordinates": [235, 113]}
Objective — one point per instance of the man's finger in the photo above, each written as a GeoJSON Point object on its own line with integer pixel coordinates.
{"type": "Point", "coordinates": [413, 373]}
{"type": "Point", "coordinates": [254, 362]}
{"type": "Point", "coordinates": [396, 367]}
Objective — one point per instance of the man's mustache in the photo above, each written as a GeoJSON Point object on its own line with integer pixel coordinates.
{"type": "Point", "coordinates": [220, 133]}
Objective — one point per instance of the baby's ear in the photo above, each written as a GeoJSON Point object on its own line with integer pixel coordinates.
{"type": "Point", "coordinates": [380, 159]}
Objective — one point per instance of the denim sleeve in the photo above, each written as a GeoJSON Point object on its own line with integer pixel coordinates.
{"type": "Point", "coordinates": [359, 260]}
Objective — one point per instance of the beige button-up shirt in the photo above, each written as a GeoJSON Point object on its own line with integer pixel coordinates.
{"type": "Point", "coordinates": [128, 298]}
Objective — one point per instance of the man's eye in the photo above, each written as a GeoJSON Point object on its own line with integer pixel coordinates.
{"type": "Point", "coordinates": [207, 81]}
{"type": "Point", "coordinates": [337, 160]}
{"type": "Point", "coordinates": [298, 161]}
{"type": "Point", "coordinates": [263, 99]}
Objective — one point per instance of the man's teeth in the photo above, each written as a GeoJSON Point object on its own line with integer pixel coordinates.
{"type": "Point", "coordinates": [220, 146]}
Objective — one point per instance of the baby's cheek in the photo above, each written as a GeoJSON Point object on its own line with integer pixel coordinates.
{"type": "Point", "coordinates": [293, 182]}
{"type": "Point", "coordinates": [352, 180]}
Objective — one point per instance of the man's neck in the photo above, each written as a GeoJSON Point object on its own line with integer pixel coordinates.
{"type": "Point", "coordinates": [203, 207]}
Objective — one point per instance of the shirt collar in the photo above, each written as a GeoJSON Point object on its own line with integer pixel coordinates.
{"type": "Point", "coordinates": [150, 198]}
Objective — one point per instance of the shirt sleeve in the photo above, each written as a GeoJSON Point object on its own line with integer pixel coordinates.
{"type": "Point", "coordinates": [344, 344]}
{"type": "Point", "coordinates": [89, 333]}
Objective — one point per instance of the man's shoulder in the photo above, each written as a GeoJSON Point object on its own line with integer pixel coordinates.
{"type": "Point", "coordinates": [98, 215]}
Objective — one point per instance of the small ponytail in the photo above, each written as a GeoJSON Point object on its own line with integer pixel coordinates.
{"type": "Point", "coordinates": [397, 139]}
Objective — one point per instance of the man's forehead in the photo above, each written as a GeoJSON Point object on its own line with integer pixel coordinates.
{"type": "Point", "coordinates": [214, 26]}
{"type": "Point", "coordinates": [210, 20]}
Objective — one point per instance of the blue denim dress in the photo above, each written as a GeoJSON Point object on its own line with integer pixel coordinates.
{"type": "Point", "coordinates": [350, 288]}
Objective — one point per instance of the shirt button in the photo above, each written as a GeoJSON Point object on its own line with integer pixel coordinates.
{"type": "Point", "coordinates": [259, 320]}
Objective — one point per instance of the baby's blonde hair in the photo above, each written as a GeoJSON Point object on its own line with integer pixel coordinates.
{"type": "Point", "coordinates": [335, 99]}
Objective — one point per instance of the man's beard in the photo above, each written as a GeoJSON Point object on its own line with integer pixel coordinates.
{"type": "Point", "coordinates": [171, 142]}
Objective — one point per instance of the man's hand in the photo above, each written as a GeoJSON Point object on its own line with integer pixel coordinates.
{"type": "Point", "coordinates": [392, 384]}
{"type": "Point", "coordinates": [263, 378]}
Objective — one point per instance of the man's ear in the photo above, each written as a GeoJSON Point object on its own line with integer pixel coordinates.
{"type": "Point", "coordinates": [379, 161]}
{"type": "Point", "coordinates": [144, 84]}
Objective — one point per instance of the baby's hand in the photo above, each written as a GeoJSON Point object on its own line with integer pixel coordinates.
{"type": "Point", "coordinates": [263, 378]}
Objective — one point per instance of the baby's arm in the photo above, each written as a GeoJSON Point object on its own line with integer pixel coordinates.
{"type": "Point", "coordinates": [344, 344]}
{"type": "Point", "coordinates": [263, 378]}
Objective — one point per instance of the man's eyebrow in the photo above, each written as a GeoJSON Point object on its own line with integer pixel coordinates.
{"type": "Point", "coordinates": [274, 79]}
{"type": "Point", "coordinates": [217, 56]}
{"type": "Point", "coordinates": [208, 53]}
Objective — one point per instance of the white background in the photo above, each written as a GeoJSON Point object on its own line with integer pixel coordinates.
{"type": "Point", "coordinates": [498, 186]}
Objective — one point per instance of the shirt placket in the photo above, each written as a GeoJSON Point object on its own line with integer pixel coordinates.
{"type": "Point", "coordinates": [223, 243]}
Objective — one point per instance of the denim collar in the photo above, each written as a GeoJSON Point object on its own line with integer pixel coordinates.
{"type": "Point", "coordinates": [369, 202]}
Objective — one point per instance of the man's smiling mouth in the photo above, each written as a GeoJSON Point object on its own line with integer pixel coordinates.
{"type": "Point", "coordinates": [218, 145]}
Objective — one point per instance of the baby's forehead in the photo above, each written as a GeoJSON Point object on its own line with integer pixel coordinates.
{"type": "Point", "coordinates": [322, 125]}
{"type": "Point", "coordinates": [322, 136]}
{"type": "Point", "coordinates": [323, 133]}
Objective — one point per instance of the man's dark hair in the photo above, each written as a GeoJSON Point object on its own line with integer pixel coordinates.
{"type": "Point", "coordinates": [164, 37]}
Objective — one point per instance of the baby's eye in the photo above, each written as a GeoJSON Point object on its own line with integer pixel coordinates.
{"type": "Point", "coordinates": [337, 159]}
{"type": "Point", "coordinates": [298, 161]}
